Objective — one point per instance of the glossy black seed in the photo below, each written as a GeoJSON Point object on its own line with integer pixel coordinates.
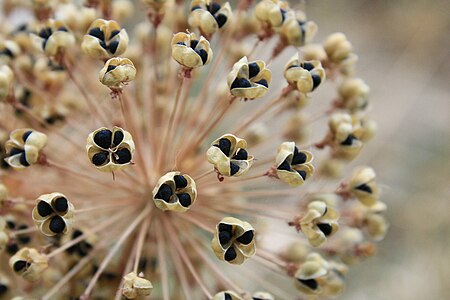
{"type": "Point", "coordinates": [96, 32]}
{"type": "Point", "coordinates": [253, 70]}
{"type": "Point", "coordinates": [308, 66]}
{"type": "Point", "coordinates": [15, 151]}
{"type": "Point", "coordinates": [230, 254]}
{"type": "Point", "coordinates": [203, 55]}
{"type": "Point", "coordinates": [284, 166]}
{"type": "Point", "coordinates": [44, 209]}
{"type": "Point", "coordinates": [181, 43]}
{"type": "Point", "coordinates": [195, 8]}
{"type": "Point", "coordinates": [20, 265]}
{"type": "Point", "coordinates": [113, 46]}
{"type": "Point", "coordinates": [3, 289]}
{"type": "Point", "coordinates": [233, 168]}
{"type": "Point", "coordinates": [124, 156]}
{"type": "Point", "coordinates": [263, 82]}
{"type": "Point", "coordinates": [99, 158]}
{"type": "Point", "coordinates": [302, 174]}
{"type": "Point", "coordinates": [225, 227]}
{"type": "Point", "coordinates": [246, 238]}
{"type": "Point", "coordinates": [76, 233]}
{"type": "Point", "coordinates": [45, 33]}
{"type": "Point", "coordinates": [325, 228]}
{"type": "Point", "coordinates": [311, 283]}
{"type": "Point", "coordinates": [213, 7]}
{"type": "Point", "coordinates": [61, 204]}
{"type": "Point", "coordinates": [114, 33]}
{"type": "Point", "coordinates": [221, 19]}
{"type": "Point", "coordinates": [224, 237]}
{"type": "Point", "coordinates": [103, 45]}
{"type": "Point", "coordinates": [194, 43]}
{"type": "Point", "coordinates": [103, 138]}
{"type": "Point", "coordinates": [241, 155]}
{"type": "Point", "coordinates": [180, 181]}
{"type": "Point", "coordinates": [23, 160]}
{"type": "Point", "coordinates": [57, 224]}
{"type": "Point", "coordinates": [165, 191]}
{"type": "Point", "coordinates": [84, 249]}
{"type": "Point", "coordinates": [364, 187]}
{"type": "Point", "coordinates": [227, 296]}
{"type": "Point", "coordinates": [118, 138]}
{"type": "Point", "coordinates": [316, 80]}
{"type": "Point", "coordinates": [224, 146]}
{"type": "Point", "coordinates": [240, 83]}
{"type": "Point", "coordinates": [349, 140]}
{"type": "Point", "coordinates": [7, 52]}
{"type": "Point", "coordinates": [185, 199]}
{"type": "Point", "coordinates": [298, 157]}
{"type": "Point", "coordinates": [10, 224]}
{"type": "Point", "coordinates": [110, 68]}
{"type": "Point", "coordinates": [12, 248]}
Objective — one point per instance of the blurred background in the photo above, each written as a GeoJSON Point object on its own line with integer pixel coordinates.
{"type": "Point", "coordinates": [404, 51]}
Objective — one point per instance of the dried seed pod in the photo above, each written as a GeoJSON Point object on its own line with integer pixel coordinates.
{"type": "Point", "coordinates": [311, 274]}
{"type": "Point", "coordinates": [49, 73]}
{"type": "Point", "coordinates": [53, 214]}
{"type": "Point", "coordinates": [175, 192]}
{"type": "Point", "coordinates": [105, 39]}
{"type": "Point", "coordinates": [8, 51]}
{"type": "Point", "coordinates": [233, 241]}
{"type": "Point", "coordinates": [297, 31]}
{"type": "Point", "coordinates": [135, 286]}
{"type": "Point", "coordinates": [296, 252]}
{"type": "Point", "coordinates": [335, 280]}
{"type": "Point", "coordinates": [6, 82]}
{"type": "Point", "coordinates": [293, 165]}
{"type": "Point", "coordinates": [227, 295]}
{"type": "Point", "coordinates": [83, 247]}
{"type": "Point", "coordinates": [363, 186]}
{"type": "Point", "coordinates": [28, 263]}
{"type": "Point", "coordinates": [366, 128]}
{"type": "Point", "coordinates": [305, 76]}
{"type": "Point", "coordinates": [23, 147]}
{"type": "Point", "coordinates": [209, 16]}
{"type": "Point", "coordinates": [249, 80]}
{"type": "Point", "coordinates": [4, 237]}
{"type": "Point", "coordinates": [53, 38]}
{"type": "Point", "coordinates": [75, 17]}
{"type": "Point", "coordinates": [108, 150]}
{"type": "Point", "coordinates": [262, 296]}
{"type": "Point", "coordinates": [314, 52]}
{"type": "Point", "coordinates": [337, 47]}
{"type": "Point", "coordinates": [229, 156]}
{"type": "Point", "coordinates": [117, 72]}
{"type": "Point", "coordinates": [319, 222]}
{"type": "Point", "coordinates": [3, 194]}
{"type": "Point", "coordinates": [189, 51]}
{"type": "Point", "coordinates": [354, 94]}
{"type": "Point", "coordinates": [272, 12]}
{"type": "Point", "coordinates": [375, 223]}
{"type": "Point", "coordinates": [4, 286]}
{"type": "Point", "coordinates": [345, 136]}
{"type": "Point", "coordinates": [296, 128]}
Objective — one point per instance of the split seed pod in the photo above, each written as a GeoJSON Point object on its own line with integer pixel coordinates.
{"type": "Point", "coordinates": [53, 38]}
{"type": "Point", "coordinates": [4, 237]}
{"type": "Point", "coordinates": [23, 147]}
{"type": "Point", "coordinates": [105, 39]}
{"type": "Point", "coordinates": [28, 263]}
{"type": "Point", "coordinates": [335, 280]}
{"type": "Point", "coordinates": [234, 241]}
{"type": "Point", "coordinates": [319, 222]}
{"type": "Point", "coordinates": [175, 192]}
{"type": "Point", "coordinates": [345, 136]}
{"type": "Point", "coordinates": [189, 51]}
{"type": "Point", "coordinates": [229, 156]}
{"type": "Point", "coordinates": [135, 286]}
{"type": "Point", "coordinates": [249, 80]}
{"type": "Point", "coordinates": [108, 150]}
{"type": "Point", "coordinates": [8, 51]}
{"type": "Point", "coordinates": [227, 295]}
{"type": "Point", "coordinates": [375, 223]}
{"type": "Point", "coordinates": [117, 72]}
{"type": "Point", "coordinates": [6, 81]}
{"type": "Point", "coordinates": [305, 76]}
{"type": "Point", "coordinates": [363, 186]}
{"type": "Point", "coordinates": [262, 296]}
{"type": "Point", "coordinates": [354, 94]}
{"type": "Point", "coordinates": [53, 214]}
{"type": "Point", "coordinates": [272, 12]}
{"type": "Point", "coordinates": [311, 274]}
{"type": "Point", "coordinates": [297, 32]}
{"type": "Point", "coordinates": [293, 165]}
{"type": "Point", "coordinates": [209, 16]}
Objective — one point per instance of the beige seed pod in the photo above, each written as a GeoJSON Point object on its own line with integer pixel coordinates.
{"type": "Point", "coordinates": [272, 12]}
{"type": "Point", "coordinates": [24, 147]}
{"type": "Point", "coordinates": [227, 295]}
{"type": "Point", "coordinates": [49, 73]}
{"type": "Point", "coordinates": [6, 82]}
{"type": "Point", "coordinates": [189, 51]}
{"type": "Point", "coordinates": [3, 194]}
{"type": "Point", "coordinates": [53, 214]}
{"type": "Point", "coordinates": [8, 51]}
{"type": "Point", "coordinates": [75, 17]}
{"type": "Point", "coordinates": [375, 222]}
{"type": "Point", "coordinates": [108, 150]}
{"type": "Point", "coordinates": [28, 263]}
{"type": "Point", "coordinates": [122, 9]}
{"type": "Point", "coordinates": [234, 241]}
{"type": "Point", "coordinates": [104, 39]}
{"type": "Point", "coordinates": [354, 94]}
{"type": "Point", "coordinates": [249, 80]}
{"type": "Point", "coordinates": [296, 252]}
{"type": "Point", "coordinates": [297, 32]}
{"type": "Point", "coordinates": [319, 222]}
{"type": "Point", "coordinates": [345, 136]}
{"type": "Point", "coordinates": [229, 156]}
{"type": "Point", "coordinates": [296, 128]}
{"type": "Point", "coordinates": [335, 280]}
{"type": "Point", "coordinates": [363, 186]}
{"type": "Point", "coordinates": [314, 52]}
{"type": "Point", "coordinates": [366, 128]}
{"type": "Point", "coordinates": [337, 47]}
{"type": "Point", "coordinates": [309, 277]}
{"type": "Point", "coordinates": [135, 286]}
{"type": "Point", "coordinates": [4, 237]}
{"type": "Point", "coordinates": [305, 76]}
{"type": "Point", "coordinates": [256, 133]}
{"type": "Point", "coordinates": [293, 166]}
{"type": "Point", "coordinates": [262, 296]}
{"type": "Point", "coordinates": [53, 38]}
{"type": "Point", "coordinates": [175, 192]}
{"type": "Point", "coordinates": [117, 72]}
{"type": "Point", "coordinates": [209, 16]}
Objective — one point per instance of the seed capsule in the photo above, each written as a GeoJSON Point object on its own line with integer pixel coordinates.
{"type": "Point", "coordinates": [262, 296]}
{"type": "Point", "coordinates": [375, 223]}
{"type": "Point", "coordinates": [28, 263]}
{"type": "Point", "coordinates": [305, 76]}
{"type": "Point", "coordinates": [189, 51]}
{"type": "Point", "coordinates": [175, 192]}
{"type": "Point", "coordinates": [354, 94]}
{"type": "Point", "coordinates": [23, 147]}
{"type": "Point", "coordinates": [319, 222]}
{"type": "Point", "coordinates": [363, 186]}
{"type": "Point", "coordinates": [135, 286]}
{"type": "Point", "coordinates": [335, 280]}
{"type": "Point", "coordinates": [293, 166]}
{"type": "Point", "coordinates": [4, 237]}
{"type": "Point", "coordinates": [209, 16]}
{"type": "Point", "coordinates": [272, 12]}
{"type": "Point", "coordinates": [337, 47]}
{"type": "Point", "coordinates": [297, 31]}
{"type": "Point", "coordinates": [53, 38]}
{"type": "Point", "coordinates": [8, 51]}
{"type": "Point", "coordinates": [345, 136]}
{"type": "Point", "coordinates": [117, 72]}
{"type": "Point", "coordinates": [227, 295]}
{"type": "Point", "coordinates": [6, 82]}
{"type": "Point", "coordinates": [310, 275]}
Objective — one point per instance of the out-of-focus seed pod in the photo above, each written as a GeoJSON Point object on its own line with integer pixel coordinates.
{"type": "Point", "coordinates": [311, 274]}
{"type": "Point", "coordinates": [135, 286]}
{"type": "Point", "coordinates": [53, 38]}
{"type": "Point", "coordinates": [117, 72]}
{"type": "Point", "coordinates": [209, 16]}
{"type": "Point", "coordinates": [6, 82]}
{"type": "Point", "coordinates": [28, 263]}
{"type": "Point", "coordinates": [305, 76]}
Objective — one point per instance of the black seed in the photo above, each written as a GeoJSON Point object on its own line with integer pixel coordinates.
{"type": "Point", "coordinates": [203, 55]}
{"type": "Point", "coordinates": [283, 15]}
{"type": "Point", "coordinates": [44, 43]}
{"type": "Point", "coordinates": [253, 69]}
{"type": "Point", "coordinates": [349, 140]}
{"type": "Point", "coordinates": [213, 7]}
{"type": "Point", "coordinates": [124, 156]}
{"type": "Point", "coordinates": [194, 43]}
{"type": "Point", "coordinates": [15, 151]}
{"type": "Point", "coordinates": [57, 224]}
{"type": "Point", "coordinates": [181, 43]}
{"type": "Point", "coordinates": [227, 296]}
{"type": "Point", "coordinates": [3, 289]}
{"type": "Point", "coordinates": [246, 238]}
{"type": "Point", "coordinates": [12, 248]}
{"type": "Point", "coordinates": [302, 174]}
{"type": "Point", "coordinates": [364, 187]}
{"type": "Point", "coordinates": [114, 33]}
{"type": "Point", "coordinates": [23, 160]}
{"type": "Point", "coordinates": [96, 32]}
{"type": "Point", "coordinates": [221, 19]}
{"type": "Point", "coordinates": [103, 138]}
{"type": "Point", "coordinates": [7, 52]}
{"type": "Point", "coordinates": [44, 209]}
{"type": "Point", "coordinates": [298, 157]}
{"type": "Point", "coordinates": [99, 158]}
{"type": "Point", "coordinates": [76, 233]}
{"type": "Point", "coordinates": [225, 227]}
{"type": "Point", "coordinates": [20, 265]}
{"type": "Point", "coordinates": [103, 45]}
{"type": "Point", "coordinates": [143, 262]}
{"type": "Point", "coordinates": [263, 82]}
{"type": "Point", "coordinates": [165, 191]}
{"type": "Point", "coordinates": [325, 228]}
{"type": "Point", "coordinates": [61, 204]}
{"type": "Point", "coordinates": [185, 199]}
{"type": "Point", "coordinates": [180, 181]}
{"type": "Point", "coordinates": [284, 166]}
{"type": "Point", "coordinates": [45, 33]}
{"type": "Point", "coordinates": [316, 80]}
{"type": "Point", "coordinates": [308, 66]}
{"type": "Point", "coordinates": [230, 254]}
{"type": "Point", "coordinates": [240, 83]}
{"type": "Point", "coordinates": [110, 68]}
{"type": "Point", "coordinates": [118, 138]}
{"type": "Point", "coordinates": [241, 155]}
{"type": "Point", "coordinates": [23, 239]}
{"type": "Point", "coordinates": [311, 283]}
{"type": "Point", "coordinates": [10, 224]}
{"type": "Point", "coordinates": [195, 8]}
{"type": "Point", "coordinates": [84, 249]}
{"type": "Point", "coordinates": [224, 237]}
{"type": "Point", "coordinates": [233, 169]}
{"type": "Point", "coordinates": [63, 29]}
{"type": "Point", "coordinates": [113, 46]}
{"type": "Point", "coordinates": [225, 146]}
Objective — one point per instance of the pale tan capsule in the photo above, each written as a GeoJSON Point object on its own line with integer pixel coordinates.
{"type": "Point", "coordinates": [249, 80]}
{"type": "Point", "coordinates": [296, 252]}
{"type": "Point", "coordinates": [24, 147]}
{"type": "Point", "coordinates": [347, 66]}
{"type": "Point", "coordinates": [189, 51]}
{"type": "Point", "coordinates": [314, 52]}
{"type": "Point", "coordinates": [28, 263]}
{"type": "Point", "coordinates": [8, 51]}
{"type": "Point", "coordinates": [156, 4]}
{"type": "Point", "coordinates": [363, 186]}
{"type": "Point", "coordinates": [117, 72]}
{"type": "Point", "coordinates": [4, 237]}
{"type": "Point", "coordinates": [366, 128]}
{"type": "Point", "coordinates": [53, 214]}
{"type": "Point", "coordinates": [319, 222]}
{"type": "Point", "coordinates": [6, 82]}
{"type": "Point", "coordinates": [52, 75]}
{"type": "Point", "coordinates": [108, 150]}
{"type": "Point", "coordinates": [293, 166]}
{"type": "Point", "coordinates": [122, 9]}
{"type": "Point", "coordinates": [296, 128]}
{"type": "Point", "coordinates": [53, 38]}
{"type": "Point", "coordinates": [227, 295]}
{"type": "Point", "coordinates": [262, 296]}
{"type": "Point", "coordinates": [234, 241]}
{"type": "Point", "coordinates": [375, 222]}
{"type": "Point", "coordinates": [256, 133]}
{"type": "Point", "coordinates": [309, 277]}
{"type": "Point", "coordinates": [5, 287]}
{"type": "Point", "coordinates": [332, 168]}
{"type": "Point", "coordinates": [229, 156]}
{"type": "Point", "coordinates": [3, 193]}
{"type": "Point", "coordinates": [209, 16]}
{"type": "Point", "coordinates": [354, 94]}
{"type": "Point", "coordinates": [104, 39]}
{"type": "Point", "coordinates": [305, 76]}
{"type": "Point", "coordinates": [77, 18]}
{"type": "Point", "coordinates": [297, 32]}
{"type": "Point", "coordinates": [175, 192]}
{"type": "Point", "coordinates": [335, 280]}
{"type": "Point", "coordinates": [344, 135]}
{"type": "Point", "coordinates": [135, 286]}
{"type": "Point", "coordinates": [272, 12]}
{"type": "Point", "coordinates": [337, 47]}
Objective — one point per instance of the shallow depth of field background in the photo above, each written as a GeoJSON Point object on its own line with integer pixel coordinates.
{"type": "Point", "coordinates": [404, 56]}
